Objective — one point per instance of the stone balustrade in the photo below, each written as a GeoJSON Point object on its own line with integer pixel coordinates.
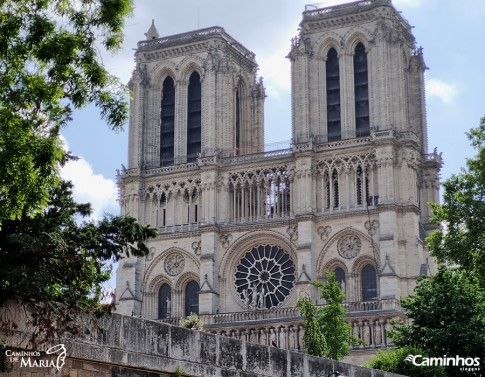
{"type": "Point", "coordinates": [370, 321]}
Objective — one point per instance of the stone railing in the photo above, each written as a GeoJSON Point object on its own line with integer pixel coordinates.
{"type": "Point", "coordinates": [191, 36]}
{"type": "Point", "coordinates": [178, 228]}
{"type": "Point", "coordinates": [372, 330]}
{"type": "Point", "coordinates": [158, 170]}
{"type": "Point", "coordinates": [294, 312]}
{"type": "Point", "coordinates": [256, 156]}
{"type": "Point", "coordinates": [370, 322]}
{"type": "Point", "coordinates": [341, 144]}
{"type": "Point", "coordinates": [357, 6]}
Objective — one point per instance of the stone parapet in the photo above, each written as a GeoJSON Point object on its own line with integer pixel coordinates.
{"type": "Point", "coordinates": [129, 346]}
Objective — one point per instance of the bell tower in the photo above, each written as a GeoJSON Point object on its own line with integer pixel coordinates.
{"type": "Point", "coordinates": [194, 94]}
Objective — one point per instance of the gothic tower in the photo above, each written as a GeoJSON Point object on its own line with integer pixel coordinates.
{"type": "Point", "coordinates": [243, 231]}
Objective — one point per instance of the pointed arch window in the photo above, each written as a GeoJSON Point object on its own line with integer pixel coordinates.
{"type": "Point", "coordinates": [194, 136]}
{"type": "Point", "coordinates": [369, 283]}
{"type": "Point", "coordinates": [167, 123]}
{"type": "Point", "coordinates": [336, 201]}
{"type": "Point", "coordinates": [164, 301]}
{"type": "Point", "coordinates": [361, 91]}
{"type": "Point", "coordinates": [340, 276]}
{"type": "Point", "coordinates": [192, 298]}
{"type": "Point", "coordinates": [237, 136]}
{"type": "Point", "coordinates": [332, 75]}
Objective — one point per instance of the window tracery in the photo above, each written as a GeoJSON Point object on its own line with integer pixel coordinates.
{"type": "Point", "coordinates": [264, 277]}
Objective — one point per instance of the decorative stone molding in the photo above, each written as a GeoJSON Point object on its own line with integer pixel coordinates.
{"type": "Point", "coordinates": [225, 240]}
{"type": "Point", "coordinates": [292, 231]}
{"type": "Point", "coordinates": [174, 264]}
{"type": "Point", "coordinates": [196, 247]}
{"type": "Point", "coordinates": [324, 232]}
{"type": "Point", "coordinates": [349, 246]}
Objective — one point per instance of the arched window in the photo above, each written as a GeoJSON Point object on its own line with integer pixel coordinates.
{"type": "Point", "coordinates": [335, 189]}
{"type": "Point", "coordinates": [193, 117]}
{"type": "Point", "coordinates": [333, 95]}
{"type": "Point", "coordinates": [361, 91]}
{"type": "Point", "coordinates": [167, 123]}
{"type": "Point", "coordinates": [192, 298]}
{"type": "Point", "coordinates": [340, 276]}
{"type": "Point", "coordinates": [237, 136]}
{"type": "Point", "coordinates": [359, 185]}
{"type": "Point", "coordinates": [369, 283]}
{"type": "Point", "coordinates": [164, 301]}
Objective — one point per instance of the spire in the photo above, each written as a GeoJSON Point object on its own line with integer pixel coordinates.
{"type": "Point", "coordinates": [152, 33]}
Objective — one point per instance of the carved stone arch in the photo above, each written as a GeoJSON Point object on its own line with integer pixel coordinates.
{"type": "Point", "coordinates": [157, 263]}
{"type": "Point", "coordinates": [360, 262]}
{"type": "Point", "coordinates": [325, 256]}
{"type": "Point", "coordinates": [185, 278]}
{"type": "Point", "coordinates": [332, 264]}
{"type": "Point", "coordinates": [354, 37]}
{"type": "Point", "coordinates": [241, 82]}
{"type": "Point", "coordinates": [246, 242]}
{"type": "Point", "coordinates": [188, 65]}
{"type": "Point", "coordinates": [154, 284]}
{"type": "Point", "coordinates": [160, 72]}
{"type": "Point", "coordinates": [324, 44]}
{"type": "Point", "coordinates": [357, 268]}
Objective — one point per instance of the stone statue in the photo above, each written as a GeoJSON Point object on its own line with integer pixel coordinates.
{"type": "Point", "coordinates": [377, 334]}
{"type": "Point", "coordinates": [246, 298]}
{"type": "Point", "coordinates": [260, 302]}
{"type": "Point", "coordinates": [169, 307]}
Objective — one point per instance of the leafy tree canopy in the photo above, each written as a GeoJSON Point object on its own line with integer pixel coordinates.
{"type": "Point", "coordinates": [462, 240]}
{"type": "Point", "coordinates": [53, 266]}
{"type": "Point", "coordinates": [50, 65]}
{"type": "Point", "coordinates": [327, 334]}
{"type": "Point", "coordinates": [447, 313]}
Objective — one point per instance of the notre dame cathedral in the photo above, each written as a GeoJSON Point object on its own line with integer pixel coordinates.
{"type": "Point", "coordinates": [243, 230]}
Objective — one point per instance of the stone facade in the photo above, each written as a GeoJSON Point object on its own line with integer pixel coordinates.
{"type": "Point", "coordinates": [248, 229]}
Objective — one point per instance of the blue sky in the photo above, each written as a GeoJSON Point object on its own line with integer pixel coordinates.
{"type": "Point", "coordinates": [451, 32]}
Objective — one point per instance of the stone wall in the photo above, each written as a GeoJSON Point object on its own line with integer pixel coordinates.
{"type": "Point", "coordinates": [133, 347]}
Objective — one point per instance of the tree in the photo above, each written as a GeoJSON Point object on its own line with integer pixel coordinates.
{"type": "Point", "coordinates": [462, 240]}
{"type": "Point", "coordinates": [327, 334]}
{"type": "Point", "coordinates": [53, 266]}
{"type": "Point", "coordinates": [50, 65]}
{"type": "Point", "coordinates": [395, 361]}
{"type": "Point", "coordinates": [447, 313]}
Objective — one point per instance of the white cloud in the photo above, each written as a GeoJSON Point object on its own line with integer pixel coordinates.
{"type": "Point", "coordinates": [89, 187]}
{"type": "Point", "coordinates": [443, 90]}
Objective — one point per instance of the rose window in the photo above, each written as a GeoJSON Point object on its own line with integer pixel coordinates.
{"type": "Point", "coordinates": [349, 246]}
{"type": "Point", "coordinates": [264, 277]}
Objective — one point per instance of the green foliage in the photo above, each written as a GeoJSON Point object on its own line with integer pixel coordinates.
{"type": "Point", "coordinates": [5, 365]}
{"type": "Point", "coordinates": [193, 321]}
{"type": "Point", "coordinates": [49, 65]}
{"type": "Point", "coordinates": [179, 372]}
{"type": "Point", "coordinates": [327, 334]}
{"type": "Point", "coordinates": [462, 240]}
{"type": "Point", "coordinates": [394, 361]}
{"type": "Point", "coordinates": [448, 317]}
{"type": "Point", "coordinates": [53, 265]}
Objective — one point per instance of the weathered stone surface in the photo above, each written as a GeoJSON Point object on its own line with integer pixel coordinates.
{"type": "Point", "coordinates": [257, 357]}
{"type": "Point", "coordinates": [279, 361]}
{"type": "Point", "coordinates": [197, 354]}
{"type": "Point", "coordinates": [230, 353]}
